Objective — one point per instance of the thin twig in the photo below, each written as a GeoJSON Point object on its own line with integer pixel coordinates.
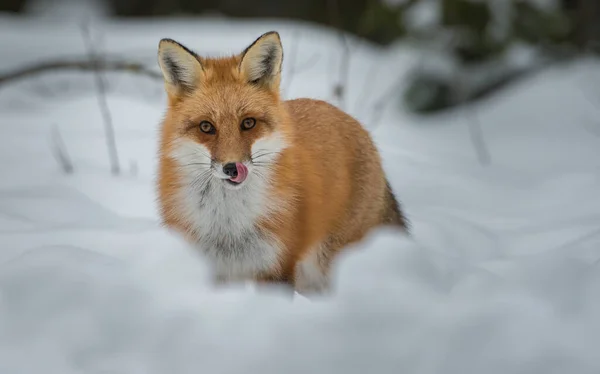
{"type": "Point", "coordinates": [83, 65]}
{"type": "Point", "coordinates": [473, 124]}
{"type": "Point", "coordinates": [102, 102]}
{"type": "Point", "coordinates": [342, 85]}
{"type": "Point", "coordinates": [339, 90]}
{"type": "Point", "coordinates": [60, 151]}
{"type": "Point", "coordinates": [476, 134]}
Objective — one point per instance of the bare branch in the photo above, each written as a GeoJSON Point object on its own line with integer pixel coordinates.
{"type": "Point", "coordinates": [475, 132]}
{"type": "Point", "coordinates": [342, 85]}
{"type": "Point", "coordinates": [339, 89]}
{"type": "Point", "coordinates": [83, 65]}
{"type": "Point", "coordinates": [60, 151]}
{"type": "Point", "coordinates": [102, 102]}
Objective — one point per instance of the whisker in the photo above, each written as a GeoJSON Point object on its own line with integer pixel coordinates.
{"type": "Point", "coordinates": [265, 153]}
{"type": "Point", "coordinates": [198, 163]}
{"type": "Point", "coordinates": [201, 177]}
{"type": "Point", "coordinates": [200, 182]}
{"type": "Point", "coordinates": [198, 153]}
{"type": "Point", "coordinates": [261, 175]}
{"type": "Point", "coordinates": [203, 174]}
{"type": "Point", "coordinates": [259, 151]}
{"type": "Point", "coordinates": [268, 164]}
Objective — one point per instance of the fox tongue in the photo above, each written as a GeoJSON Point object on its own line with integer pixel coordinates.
{"type": "Point", "coordinates": [242, 173]}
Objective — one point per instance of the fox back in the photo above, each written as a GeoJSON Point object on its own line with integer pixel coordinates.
{"type": "Point", "coordinates": [268, 190]}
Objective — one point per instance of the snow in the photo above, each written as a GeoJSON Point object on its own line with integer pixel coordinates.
{"type": "Point", "coordinates": [501, 273]}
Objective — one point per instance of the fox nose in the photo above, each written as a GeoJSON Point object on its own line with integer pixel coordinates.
{"type": "Point", "coordinates": [230, 170]}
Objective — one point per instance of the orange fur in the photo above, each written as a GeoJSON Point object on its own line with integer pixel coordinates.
{"type": "Point", "coordinates": [328, 182]}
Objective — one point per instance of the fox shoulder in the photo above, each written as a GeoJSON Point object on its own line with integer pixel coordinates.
{"type": "Point", "coordinates": [318, 121]}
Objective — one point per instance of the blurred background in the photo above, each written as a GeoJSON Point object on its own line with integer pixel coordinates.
{"type": "Point", "coordinates": [475, 104]}
{"type": "Point", "coordinates": [486, 113]}
{"type": "Point", "coordinates": [477, 35]}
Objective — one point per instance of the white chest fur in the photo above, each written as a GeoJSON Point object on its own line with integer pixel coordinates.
{"type": "Point", "coordinates": [225, 219]}
{"type": "Point", "coordinates": [225, 222]}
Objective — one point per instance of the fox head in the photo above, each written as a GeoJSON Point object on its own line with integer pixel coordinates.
{"type": "Point", "coordinates": [224, 122]}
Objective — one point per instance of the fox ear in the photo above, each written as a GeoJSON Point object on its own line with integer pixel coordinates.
{"type": "Point", "coordinates": [180, 67]}
{"type": "Point", "coordinates": [261, 61]}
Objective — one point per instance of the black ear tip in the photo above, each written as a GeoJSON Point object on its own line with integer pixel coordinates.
{"type": "Point", "coordinates": [272, 33]}
{"type": "Point", "coordinates": [164, 41]}
{"type": "Point", "coordinates": [168, 41]}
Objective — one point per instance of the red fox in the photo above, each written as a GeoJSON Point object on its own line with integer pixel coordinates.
{"type": "Point", "coordinates": [269, 190]}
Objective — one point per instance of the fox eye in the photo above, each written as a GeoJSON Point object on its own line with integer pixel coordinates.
{"type": "Point", "coordinates": [248, 123]}
{"type": "Point", "coordinates": [207, 127]}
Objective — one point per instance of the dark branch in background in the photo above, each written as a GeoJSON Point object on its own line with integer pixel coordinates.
{"type": "Point", "coordinates": [82, 65]}
{"type": "Point", "coordinates": [60, 151]}
{"type": "Point", "coordinates": [475, 132]}
{"type": "Point", "coordinates": [483, 154]}
{"type": "Point", "coordinates": [339, 90]}
{"type": "Point", "coordinates": [342, 86]}
{"type": "Point", "coordinates": [95, 58]}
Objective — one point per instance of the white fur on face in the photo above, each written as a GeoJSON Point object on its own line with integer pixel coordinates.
{"type": "Point", "coordinates": [267, 149]}
{"type": "Point", "coordinates": [223, 216]}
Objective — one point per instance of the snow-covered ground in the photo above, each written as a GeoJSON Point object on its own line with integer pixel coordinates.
{"type": "Point", "coordinates": [501, 275]}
